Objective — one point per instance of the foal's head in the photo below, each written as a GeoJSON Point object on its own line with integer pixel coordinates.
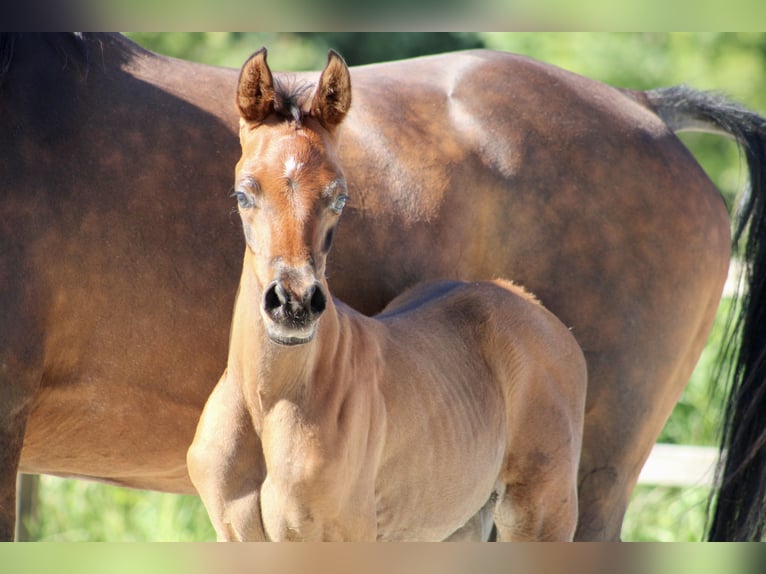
{"type": "Point", "coordinates": [290, 190]}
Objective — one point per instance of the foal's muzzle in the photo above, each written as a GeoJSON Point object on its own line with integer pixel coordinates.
{"type": "Point", "coordinates": [292, 317]}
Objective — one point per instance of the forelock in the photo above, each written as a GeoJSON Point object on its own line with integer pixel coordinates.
{"type": "Point", "coordinates": [292, 98]}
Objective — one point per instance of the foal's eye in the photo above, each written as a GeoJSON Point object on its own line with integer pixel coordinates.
{"type": "Point", "coordinates": [339, 203]}
{"type": "Point", "coordinates": [244, 199]}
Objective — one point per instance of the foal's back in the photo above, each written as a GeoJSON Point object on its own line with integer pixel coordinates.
{"type": "Point", "coordinates": [487, 389]}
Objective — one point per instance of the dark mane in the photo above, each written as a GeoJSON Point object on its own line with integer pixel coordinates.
{"type": "Point", "coordinates": [71, 46]}
{"type": "Point", "coordinates": [292, 98]}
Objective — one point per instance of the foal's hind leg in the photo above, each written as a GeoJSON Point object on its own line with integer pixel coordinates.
{"type": "Point", "coordinates": [478, 528]}
{"type": "Point", "coordinates": [544, 439]}
{"type": "Point", "coordinates": [540, 474]}
{"type": "Point", "coordinates": [532, 512]}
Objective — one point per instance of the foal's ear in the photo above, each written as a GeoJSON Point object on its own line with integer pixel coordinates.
{"type": "Point", "coordinates": [255, 90]}
{"type": "Point", "coordinates": [332, 97]}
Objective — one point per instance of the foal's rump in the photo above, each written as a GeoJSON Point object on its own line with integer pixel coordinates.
{"type": "Point", "coordinates": [543, 376]}
{"type": "Point", "coordinates": [497, 385]}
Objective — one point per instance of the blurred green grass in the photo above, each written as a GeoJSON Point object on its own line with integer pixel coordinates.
{"type": "Point", "coordinates": [79, 511]}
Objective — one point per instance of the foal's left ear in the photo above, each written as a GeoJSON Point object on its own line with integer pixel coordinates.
{"type": "Point", "coordinates": [332, 97]}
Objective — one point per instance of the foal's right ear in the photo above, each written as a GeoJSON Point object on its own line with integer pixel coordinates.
{"type": "Point", "coordinates": [255, 90]}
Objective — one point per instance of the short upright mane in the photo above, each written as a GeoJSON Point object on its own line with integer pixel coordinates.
{"type": "Point", "coordinates": [291, 98]}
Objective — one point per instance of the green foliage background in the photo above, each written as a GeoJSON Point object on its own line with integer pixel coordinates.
{"type": "Point", "coordinates": [733, 63]}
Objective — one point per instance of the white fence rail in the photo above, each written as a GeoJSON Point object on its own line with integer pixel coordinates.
{"type": "Point", "coordinates": [680, 465]}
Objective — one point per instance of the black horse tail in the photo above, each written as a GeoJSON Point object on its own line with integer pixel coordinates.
{"type": "Point", "coordinates": [737, 507]}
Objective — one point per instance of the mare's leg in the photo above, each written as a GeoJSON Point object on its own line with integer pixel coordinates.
{"type": "Point", "coordinates": [226, 465]}
{"type": "Point", "coordinates": [12, 426]}
{"type": "Point", "coordinates": [622, 424]}
{"type": "Point", "coordinates": [20, 368]}
{"type": "Point", "coordinates": [21, 361]}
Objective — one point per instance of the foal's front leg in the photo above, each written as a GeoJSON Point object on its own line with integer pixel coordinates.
{"type": "Point", "coordinates": [226, 465]}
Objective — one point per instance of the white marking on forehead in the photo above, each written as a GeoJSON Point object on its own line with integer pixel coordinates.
{"type": "Point", "coordinates": [292, 166]}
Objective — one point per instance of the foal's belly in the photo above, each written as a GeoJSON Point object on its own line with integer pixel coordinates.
{"type": "Point", "coordinates": [438, 474]}
{"type": "Point", "coordinates": [426, 505]}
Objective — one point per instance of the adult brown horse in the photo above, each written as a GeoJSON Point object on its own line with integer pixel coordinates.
{"type": "Point", "coordinates": [119, 255]}
{"type": "Point", "coordinates": [460, 402]}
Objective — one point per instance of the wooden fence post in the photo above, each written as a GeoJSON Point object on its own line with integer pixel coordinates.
{"type": "Point", "coordinates": [27, 486]}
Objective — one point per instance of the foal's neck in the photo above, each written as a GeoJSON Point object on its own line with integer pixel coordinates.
{"type": "Point", "coordinates": [277, 372]}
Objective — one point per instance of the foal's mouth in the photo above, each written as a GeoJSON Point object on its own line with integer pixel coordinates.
{"type": "Point", "coordinates": [290, 337]}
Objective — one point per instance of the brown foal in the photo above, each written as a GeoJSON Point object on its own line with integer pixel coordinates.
{"type": "Point", "coordinates": [460, 404]}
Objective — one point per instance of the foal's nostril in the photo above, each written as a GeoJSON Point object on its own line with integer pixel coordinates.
{"type": "Point", "coordinates": [275, 297]}
{"type": "Point", "coordinates": [318, 300]}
